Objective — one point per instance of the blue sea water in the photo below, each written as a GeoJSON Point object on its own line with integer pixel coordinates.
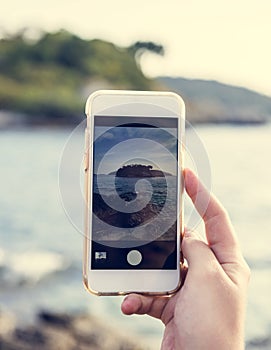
{"type": "Point", "coordinates": [150, 190]}
{"type": "Point", "coordinates": [41, 251]}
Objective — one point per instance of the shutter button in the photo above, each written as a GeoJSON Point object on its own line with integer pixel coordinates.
{"type": "Point", "coordinates": [134, 257]}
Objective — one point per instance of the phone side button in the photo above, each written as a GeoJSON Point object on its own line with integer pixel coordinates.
{"type": "Point", "coordinates": [134, 257]}
{"type": "Point", "coordinates": [86, 161]}
{"type": "Point", "coordinates": [86, 154]}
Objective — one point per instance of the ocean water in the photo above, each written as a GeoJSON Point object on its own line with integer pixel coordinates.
{"type": "Point", "coordinates": [157, 187]}
{"type": "Point", "coordinates": [41, 244]}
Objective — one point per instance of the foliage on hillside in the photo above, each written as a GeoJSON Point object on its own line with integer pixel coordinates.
{"type": "Point", "coordinates": [48, 80]}
{"type": "Point", "coordinates": [50, 76]}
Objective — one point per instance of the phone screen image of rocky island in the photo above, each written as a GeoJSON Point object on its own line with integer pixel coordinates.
{"type": "Point", "coordinates": [134, 193]}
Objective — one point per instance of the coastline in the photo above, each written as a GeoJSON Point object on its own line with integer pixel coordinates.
{"type": "Point", "coordinates": [23, 292]}
{"type": "Point", "coordinates": [14, 120]}
{"type": "Point", "coordinates": [63, 331]}
{"type": "Point", "coordinates": [67, 331]}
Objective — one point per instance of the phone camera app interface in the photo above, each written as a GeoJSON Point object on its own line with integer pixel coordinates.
{"type": "Point", "coordinates": [134, 203]}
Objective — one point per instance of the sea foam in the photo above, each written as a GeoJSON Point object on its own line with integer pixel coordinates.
{"type": "Point", "coordinates": [32, 266]}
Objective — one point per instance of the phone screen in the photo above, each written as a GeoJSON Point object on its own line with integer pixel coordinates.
{"type": "Point", "coordinates": [134, 193]}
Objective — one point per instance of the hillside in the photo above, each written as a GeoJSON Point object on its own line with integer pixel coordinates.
{"type": "Point", "coordinates": [50, 78]}
{"type": "Point", "coordinates": [47, 81]}
{"type": "Point", "coordinates": [216, 102]}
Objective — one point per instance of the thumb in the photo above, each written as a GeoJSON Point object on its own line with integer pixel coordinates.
{"type": "Point", "coordinates": [219, 231]}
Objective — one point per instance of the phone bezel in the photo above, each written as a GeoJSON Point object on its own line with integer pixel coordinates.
{"type": "Point", "coordinates": [131, 103]}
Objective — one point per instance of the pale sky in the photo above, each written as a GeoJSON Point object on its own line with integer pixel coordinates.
{"type": "Point", "coordinates": [227, 40]}
{"type": "Point", "coordinates": [115, 147]}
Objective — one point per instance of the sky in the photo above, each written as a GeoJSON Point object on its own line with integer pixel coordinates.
{"type": "Point", "coordinates": [227, 40]}
{"type": "Point", "coordinates": [117, 146]}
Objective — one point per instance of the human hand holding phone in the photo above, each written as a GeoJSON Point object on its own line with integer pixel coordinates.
{"type": "Point", "coordinates": [208, 312]}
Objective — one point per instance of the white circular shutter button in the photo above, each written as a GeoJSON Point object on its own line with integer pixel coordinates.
{"type": "Point", "coordinates": [134, 257]}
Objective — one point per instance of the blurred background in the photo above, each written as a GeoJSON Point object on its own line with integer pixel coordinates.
{"type": "Point", "coordinates": [53, 54]}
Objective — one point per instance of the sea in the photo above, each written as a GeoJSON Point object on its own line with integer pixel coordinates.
{"type": "Point", "coordinates": [41, 220]}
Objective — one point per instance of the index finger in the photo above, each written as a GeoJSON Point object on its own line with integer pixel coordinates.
{"type": "Point", "coordinates": [219, 231]}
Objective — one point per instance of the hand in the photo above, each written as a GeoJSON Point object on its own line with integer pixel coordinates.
{"type": "Point", "coordinates": [208, 312]}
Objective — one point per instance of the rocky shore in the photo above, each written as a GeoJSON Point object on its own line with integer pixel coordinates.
{"type": "Point", "coordinates": [60, 331]}
{"type": "Point", "coordinates": [259, 344]}
{"type": "Point", "coordinates": [63, 331]}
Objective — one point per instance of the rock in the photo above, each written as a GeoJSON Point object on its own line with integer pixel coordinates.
{"type": "Point", "coordinates": [259, 343]}
{"type": "Point", "coordinates": [58, 320]}
{"type": "Point", "coordinates": [62, 331]}
{"type": "Point", "coordinates": [30, 335]}
{"type": "Point", "coordinates": [128, 196]}
{"type": "Point", "coordinates": [139, 171]}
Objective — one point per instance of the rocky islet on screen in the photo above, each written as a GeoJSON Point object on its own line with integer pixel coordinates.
{"type": "Point", "coordinates": [139, 170]}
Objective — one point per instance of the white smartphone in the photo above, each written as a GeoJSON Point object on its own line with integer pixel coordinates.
{"type": "Point", "coordinates": [134, 190]}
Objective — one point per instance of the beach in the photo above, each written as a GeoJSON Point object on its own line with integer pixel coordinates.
{"type": "Point", "coordinates": [41, 246]}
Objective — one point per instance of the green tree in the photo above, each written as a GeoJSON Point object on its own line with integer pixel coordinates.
{"type": "Point", "coordinates": [50, 75]}
{"type": "Point", "coordinates": [140, 47]}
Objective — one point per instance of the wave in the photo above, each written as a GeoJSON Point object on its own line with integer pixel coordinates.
{"type": "Point", "coordinates": [30, 266]}
{"type": "Point", "coordinates": [2, 257]}
{"type": "Point", "coordinates": [259, 264]}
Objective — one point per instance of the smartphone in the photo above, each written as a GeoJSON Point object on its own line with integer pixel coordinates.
{"type": "Point", "coordinates": [134, 192]}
